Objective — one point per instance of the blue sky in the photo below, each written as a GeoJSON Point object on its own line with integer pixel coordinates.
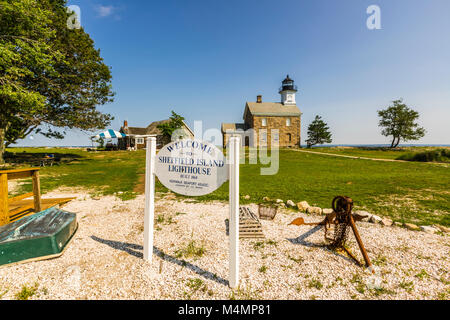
{"type": "Point", "coordinates": [205, 59]}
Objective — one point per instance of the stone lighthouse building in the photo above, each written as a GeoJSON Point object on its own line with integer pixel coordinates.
{"type": "Point", "coordinates": [269, 123]}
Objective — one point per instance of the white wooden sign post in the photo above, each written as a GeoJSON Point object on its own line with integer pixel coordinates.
{"type": "Point", "coordinates": [233, 161]}
{"type": "Point", "coordinates": [149, 198]}
{"type": "Point", "coordinates": [192, 167]}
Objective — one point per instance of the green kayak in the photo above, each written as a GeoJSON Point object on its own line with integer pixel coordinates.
{"type": "Point", "coordinates": [42, 235]}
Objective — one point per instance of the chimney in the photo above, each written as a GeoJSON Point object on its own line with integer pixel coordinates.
{"type": "Point", "coordinates": [259, 99]}
{"type": "Point", "coordinates": [125, 124]}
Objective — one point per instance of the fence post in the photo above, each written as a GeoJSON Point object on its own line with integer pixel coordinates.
{"type": "Point", "coordinates": [234, 211]}
{"type": "Point", "coordinates": [4, 205]}
{"type": "Point", "coordinates": [149, 198]}
{"type": "Point", "coordinates": [36, 191]}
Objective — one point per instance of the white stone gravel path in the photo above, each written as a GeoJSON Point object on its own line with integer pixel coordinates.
{"type": "Point", "coordinates": [104, 260]}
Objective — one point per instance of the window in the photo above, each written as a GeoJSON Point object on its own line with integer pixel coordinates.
{"type": "Point", "coordinates": [288, 122]}
{"type": "Point", "coordinates": [276, 137]}
{"type": "Point", "coordinates": [263, 136]}
{"type": "Point", "coordinates": [289, 137]}
{"type": "Point", "coordinates": [264, 122]}
{"type": "Point", "coordinates": [139, 140]}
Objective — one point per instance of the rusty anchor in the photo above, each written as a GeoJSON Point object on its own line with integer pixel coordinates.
{"type": "Point", "coordinates": [342, 219]}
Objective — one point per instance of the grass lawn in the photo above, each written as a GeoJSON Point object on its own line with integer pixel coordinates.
{"type": "Point", "coordinates": [372, 152]}
{"type": "Point", "coordinates": [101, 172]}
{"type": "Point", "coordinates": [406, 191]}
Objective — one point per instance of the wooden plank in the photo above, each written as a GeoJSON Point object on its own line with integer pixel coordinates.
{"type": "Point", "coordinates": [19, 210]}
{"type": "Point", "coordinates": [23, 208]}
{"type": "Point", "coordinates": [252, 237]}
{"type": "Point", "coordinates": [49, 202]}
{"type": "Point", "coordinates": [18, 170]}
{"type": "Point", "coordinates": [20, 175]}
{"type": "Point", "coordinates": [21, 214]}
{"type": "Point", "coordinates": [249, 225]}
{"type": "Point", "coordinates": [4, 208]}
{"type": "Point", "coordinates": [251, 228]}
{"type": "Point", "coordinates": [37, 191]}
{"type": "Point", "coordinates": [18, 198]}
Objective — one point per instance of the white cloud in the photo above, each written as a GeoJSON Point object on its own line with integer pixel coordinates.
{"type": "Point", "coordinates": [105, 11]}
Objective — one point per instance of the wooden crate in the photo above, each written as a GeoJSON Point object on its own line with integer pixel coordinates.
{"type": "Point", "coordinates": [249, 225]}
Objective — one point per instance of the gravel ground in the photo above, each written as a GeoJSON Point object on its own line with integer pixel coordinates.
{"type": "Point", "coordinates": [104, 259]}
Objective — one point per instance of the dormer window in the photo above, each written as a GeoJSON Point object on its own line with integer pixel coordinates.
{"type": "Point", "coordinates": [264, 122]}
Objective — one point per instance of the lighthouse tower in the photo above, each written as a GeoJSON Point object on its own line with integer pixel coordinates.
{"type": "Point", "coordinates": [288, 91]}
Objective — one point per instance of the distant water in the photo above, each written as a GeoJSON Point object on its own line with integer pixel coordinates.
{"type": "Point", "coordinates": [77, 147]}
{"type": "Point", "coordinates": [379, 145]}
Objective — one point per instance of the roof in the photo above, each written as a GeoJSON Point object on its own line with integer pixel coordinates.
{"type": "Point", "coordinates": [110, 134]}
{"type": "Point", "coordinates": [232, 127]}
{"type": "Point", "coordinates": [271, 109]}
{"type": "Point", "coordinates": [287, 80]}
{"type": "Point", "coordinates": [152, 129]}
{"type": "Point", "coordinates": [134, 131]}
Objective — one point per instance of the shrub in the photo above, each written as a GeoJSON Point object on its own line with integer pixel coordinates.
{"type": "Point", "coordinates": [440, 155]}
{"type": "Point", "coordinates": [191, 250]}
{"type": "Point", "coordinates": [27, 292]}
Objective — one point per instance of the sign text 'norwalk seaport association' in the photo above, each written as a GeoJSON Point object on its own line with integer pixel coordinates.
{"type": "Point", "coordinates": [191, 167]}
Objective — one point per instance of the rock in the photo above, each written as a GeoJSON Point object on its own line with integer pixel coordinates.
{"type": "Point", "coordinates": [398, 224]}
{"type": "Point", "coordinates": [429, 229]}
{"type": "Point", "coordinates": [375, 219]}
{"type": "Point", "coordinates": [95, 198]}
{"type": "Point", "coordinates": [303, 206]}
{"type": "Point", "coordinates": [314, 210]}
{"type": "Point", "coordinates": [281, 205]}
{"type": "Point", "coordinates": [171, 196]}
{"type": "Point", "coordinates": [266, 199]}
{"type": "Point", "coordinates": [247, 197]}
{"type": "Point", "coordinates": [365, 214]}
{"type": "Point", "coordinates": [411, 226]}
{"type": "Point", "coordinates": [279, 201]}
{"type": "Point", "coordinates": [387, 222]}
{"type": "Point", "coordinates": [290, 203]}
{"type": "Point", "coordinates": [327, 211]}
{"type": "Point", "coordinates": [442, 228]}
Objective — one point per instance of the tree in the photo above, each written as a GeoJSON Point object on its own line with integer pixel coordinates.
{"type": "Point", "coordinates": [50, 76]}
{"type": "Point", "coordinates": [101, 142]}
{"type": "Point", "coordinates": [318, 132]}
{"type": "Point", "coordinates": [399, 121]}
{"type": "Point", "coordinates": [168, 128]}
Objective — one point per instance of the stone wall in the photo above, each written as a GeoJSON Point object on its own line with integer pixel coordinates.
{"type": "Point", "coordinates": [289, 136]}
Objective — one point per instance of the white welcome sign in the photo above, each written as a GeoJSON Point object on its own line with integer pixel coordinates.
{"type": "Point", "coordinates": [191, 167]}
{"type": "Point", "coordinates": [194, 168]}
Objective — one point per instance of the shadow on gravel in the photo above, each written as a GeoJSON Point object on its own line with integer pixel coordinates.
{"type": "Point", "coordinates": [302, 240]}
{"type": "Point", "coordinates": [131, 248]}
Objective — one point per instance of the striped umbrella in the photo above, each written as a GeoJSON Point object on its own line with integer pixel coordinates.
{"type": "Point", "coordinates": [110, 134]}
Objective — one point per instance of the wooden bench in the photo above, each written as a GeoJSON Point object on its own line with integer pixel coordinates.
{"type": "Point", "coordinates": [15, 208]}
{"type": "Point", "coordinates": [5, 215]}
